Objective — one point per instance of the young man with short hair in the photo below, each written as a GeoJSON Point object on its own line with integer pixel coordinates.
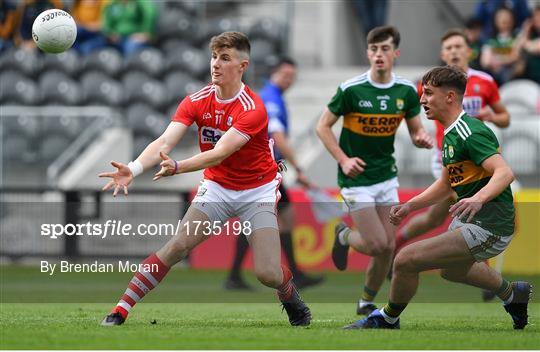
{"type": "Point", "coordinates": [372, 105]}
{"type": "Point", "coordinates": [483, 222]}
{"type": "Point", "coordinates": [482, 101]}
{"type": "Point", "coordinates": [281, 79]}
{"type": "Point", "coordinates": [240, 178]}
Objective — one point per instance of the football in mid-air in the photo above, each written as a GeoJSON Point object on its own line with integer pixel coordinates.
{"type": "Point", "coordinates": [54, 31]}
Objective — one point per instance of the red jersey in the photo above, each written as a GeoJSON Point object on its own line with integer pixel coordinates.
{"type": "Point", "coordinates": [481, 91]}
{"type": "Point", "coordinates": [251, 166]}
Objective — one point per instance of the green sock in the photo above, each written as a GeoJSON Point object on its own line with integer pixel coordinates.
{"type": "Point", "coordinates": [393, 310]}
{"type": "Point", "coordinates": [369, 294]}
{"type": "Point", "coordinates": [505, 291]}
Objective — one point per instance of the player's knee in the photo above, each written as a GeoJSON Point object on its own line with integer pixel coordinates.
{"type": "Point", "coordinates": [268, 277]}
{"type": "Point", "coordinates": [404, 261]}
{"type": "Point", "coordinates": [378, 248]}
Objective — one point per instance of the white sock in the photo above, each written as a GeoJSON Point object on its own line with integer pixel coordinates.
{"type": "Point", "coordinates": [509, 300]}
{"type": "Point", "coordinates": [363, 303]}
{"type": "Point", "coordinates": [343, 236]}
{"type": "Point", "coordinates": [389, 319]}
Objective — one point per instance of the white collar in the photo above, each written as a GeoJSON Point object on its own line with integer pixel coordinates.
{"type": "Point", "coordinates": [227, 101]}
{"type": "Point", "coordinates": [381, 85]}
{"type": "Point", "coordinates": [449, 128]}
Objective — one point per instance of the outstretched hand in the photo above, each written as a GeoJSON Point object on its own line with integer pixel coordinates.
{"type": "Point", "coordinates": [169, 167]}
{"type": "Point", "coordinates": [120, 179]}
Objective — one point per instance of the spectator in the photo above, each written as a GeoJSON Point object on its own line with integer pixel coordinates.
{"type": "Point", "coordinates": [129, 24]}
{"type": "Point", "coordinates": [371, 13]}
{"type": "Point", "coordinates": [7, 24]}
{"type": "Point", "coordinates": [473, 31]}
{"type": "Point", "coordinates": [529, 45]}
{"type": "Point", "coordinates": [26, 13]}
{"type": "Point", "coordinates": [87, 14]}
{"type": "Point", "coordinates": [498, 54]}
{"type": "Point", "coordinates": [486, 9]}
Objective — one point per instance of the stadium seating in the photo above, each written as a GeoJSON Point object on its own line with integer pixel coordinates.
{"type": "Point", "coordinates": [59, 88]}
{"type": "Point", "coordinates": [174, 23]}
{"type": "Point", "coordinates": [144, 120]}
{"type": "Point", "coordinates": [25, 61]}
{"type": "Point", "coordinates": [521, 96]}
{"type": "Point", "coordinates": [100, 89]}
{"type": "Point", "coordinates": [146, 87]}
{"type": "Point", "coordinates": [138, 86]}
{"type": "Point", "coordinates": [180, 84]}
{"type": "Point", "coordinates": [69, 62]}
{"type": "Point", "coordinates": [15, 88]}
{"type": "Point", "coordinates": [149, 60]}
{"type": "Point", "coordinates": [107, 60]}
{"type": "Point", "coordinates": [188, 59]}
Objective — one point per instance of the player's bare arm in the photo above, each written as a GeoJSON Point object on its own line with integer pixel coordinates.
{"type": "Point", "coordinates": [502, 177]}
{"type": "Point", "coordinates": [282, 144]}
{"type": "Point", "coordinates": [229, 143]}
{"type": "Point", "coordinates": [495, 113]}
{"type": "Point", "coordinates": [440, 189]}
{"type": "Point", "coordinates": [418, 133]}
{"type": "Point", "coordinates": [149, 157]}
{"type": "Point", "coordinates": [351, 166]}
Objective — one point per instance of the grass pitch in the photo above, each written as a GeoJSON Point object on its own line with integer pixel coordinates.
{"type": "Point", "coordinates": [191, 311]}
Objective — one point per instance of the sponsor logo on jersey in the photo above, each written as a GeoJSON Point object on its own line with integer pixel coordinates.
{"type": "Point", "coordinates": [365, 104]}
{"type": "Point", "coordinates": [381, 125]}
{"type": "Point", "coordinates": [210, 135]}
{"type": "Point", "coordinates": [472, 105]}
{"type": "Point", "coordinates": [381, 97]}
{"type": "Point", "coordinates": [465, 172]}
{"type": "Point", "coordinates": [400, 104]}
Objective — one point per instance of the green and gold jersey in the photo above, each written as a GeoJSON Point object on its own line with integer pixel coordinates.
{"type": "Point", "coordinates": [372, 113]}
{"type": "Point", "coordinates": [466, 144]}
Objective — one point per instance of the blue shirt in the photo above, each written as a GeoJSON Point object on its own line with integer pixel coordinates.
{"type": "Point", "coordinates": [278, 119]}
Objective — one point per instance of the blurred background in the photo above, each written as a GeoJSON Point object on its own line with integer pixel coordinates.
{"type": "Point", "coordinates": [65, 116]}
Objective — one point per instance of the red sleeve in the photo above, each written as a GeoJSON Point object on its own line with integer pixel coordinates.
{"type": "Point", "coordinates": [251, 122]}
{"type": "Point", "coordinates": [185, 113]}
{"type": "Point", "coordinates": [419, 88]}
{"type": "Point", "coordinates": [494, 96]}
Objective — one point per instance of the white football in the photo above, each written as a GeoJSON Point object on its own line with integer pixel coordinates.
{"type": "Point", "coordinates": [54, 31]}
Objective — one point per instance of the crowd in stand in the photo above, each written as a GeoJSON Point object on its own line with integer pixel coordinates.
{"type": "Point", "coordinates": [127, 25]}
{"type": "Point", "coordinates": [506, 38]}
{"type": "Point", "coordinates": [504, 34]}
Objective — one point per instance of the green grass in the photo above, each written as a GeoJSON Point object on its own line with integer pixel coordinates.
{"type": "Point", "coordinates": [193, 312]}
